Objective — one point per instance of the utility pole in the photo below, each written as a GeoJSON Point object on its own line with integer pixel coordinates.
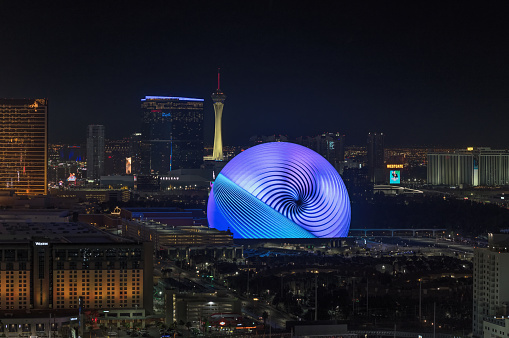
{"type": "Point", "coordinates": [420, 299]}
{"type": "Point", "coordinates": [367, 297]}
{"type": "Point", "coordinates": [270, 326]}
{"type": "Point", "coordinates": [434, 319]}
{"type": "Point", "coordinates": [316, 297]}
{"type": "Point", "coordinates": [353, 295]}
{"type": "Point", "coordinates": [281, 286]}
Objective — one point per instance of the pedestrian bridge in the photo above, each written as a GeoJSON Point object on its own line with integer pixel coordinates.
{"type": "Point", "coordinates": [391, 232]}
{"type": "Point", "coordinates": [382, 333]}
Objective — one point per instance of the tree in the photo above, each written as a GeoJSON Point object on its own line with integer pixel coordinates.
{"type": "Point", "coordinates": [265, 315]}
{"type": "Point", "coordinates": [188, 325]}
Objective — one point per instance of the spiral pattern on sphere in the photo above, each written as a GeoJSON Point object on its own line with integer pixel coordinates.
{"type": "Point", "coordinates": [279, 190]}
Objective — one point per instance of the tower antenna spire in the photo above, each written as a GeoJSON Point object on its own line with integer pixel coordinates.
{"type": "Point", "coordinates": [218, 79]}
{"type": "Point", "coordinates": [218, 97]}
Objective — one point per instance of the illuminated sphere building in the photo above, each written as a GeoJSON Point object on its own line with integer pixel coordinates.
{"type": "Point", "coordinates": [279, 190]}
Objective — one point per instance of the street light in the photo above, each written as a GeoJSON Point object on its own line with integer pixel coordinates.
{"type": "Point", "coordinates": [420, 298]}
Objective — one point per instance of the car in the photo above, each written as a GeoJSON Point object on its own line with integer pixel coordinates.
{"type": "Point", "coordinates": [196, 332]}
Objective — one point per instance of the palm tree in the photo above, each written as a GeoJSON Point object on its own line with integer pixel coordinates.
{"type": "Point", "coordinates": [265, 315]}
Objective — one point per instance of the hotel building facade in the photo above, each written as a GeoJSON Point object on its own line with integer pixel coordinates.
{"type": "Point", "coordinates": [491, 287]}
{"type": "Point", "coordinates": [23, 146]}
{"type": "Point", "coordinates": [471, 167]}
{"type": "Point", "coordinates": [172, 134]}
{"type": "Point", "coordinates": [50, 266]}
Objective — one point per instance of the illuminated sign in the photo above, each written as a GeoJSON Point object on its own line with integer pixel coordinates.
{"type": "Point", "coordinates": [128, 165]}
{"type": "Point", "coordinates": [171, 98]}
{"type": "Point", "coordinates": [394, 166]}
{"type": "Point", "coordinates": [71, 178]}
{"type": "Point", "coordinates": [394, 177]}
{"type": "Point", "coordinates": [166, 114]}
{"type": "Point", "coordinates": [470, 148]}
{"type": "Point", "coordinates": [41, 243]}
{"type": "Point", "coordinates": [222, 323]}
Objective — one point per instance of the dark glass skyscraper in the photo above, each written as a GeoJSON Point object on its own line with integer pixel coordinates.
{"type": "Point", "coordinates": [95, 152]}
{"type": "Point", "coordinates": [23, 145]}
{"type": "Point", "coordinates": [117, 153]}
{"type": "Point", "coordinates": [172, 134]}
{"type": "Point", "coordinates": [376, 157]}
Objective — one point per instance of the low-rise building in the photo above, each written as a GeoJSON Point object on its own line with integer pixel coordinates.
{"type": "Point", "coordinates": [496, 327]}
{"type": "Point", "coordinates": [198, 307]}
{"type": "Point", "coordinates": [164, 235]}
{"type": "Point", "coordinates": [51, 268]}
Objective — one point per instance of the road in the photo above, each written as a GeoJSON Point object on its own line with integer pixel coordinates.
{"type": "Point", "coordinates": [255, 309]}
{"type": "Point", "coordinates": [444, 244]}
{"type": "Point", "coordinates": [251, 308]}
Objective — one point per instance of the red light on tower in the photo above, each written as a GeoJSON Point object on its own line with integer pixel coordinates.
{"type": "Point", "coordinates": [218, 79]}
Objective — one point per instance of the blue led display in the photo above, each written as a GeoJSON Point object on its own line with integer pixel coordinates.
{"type": "Point", "coordinates": [171, 98]}
{"type": "Point", "coordinates": [279, 190]}
{"type": "Point", "coordinates": [394, 177]}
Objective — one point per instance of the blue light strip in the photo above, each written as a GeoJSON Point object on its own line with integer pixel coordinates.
{"type": "Point", "coordinates": [171, 98]}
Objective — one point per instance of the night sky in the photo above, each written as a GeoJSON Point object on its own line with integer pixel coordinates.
{"type": "Point", "coordinates": [424, 74]}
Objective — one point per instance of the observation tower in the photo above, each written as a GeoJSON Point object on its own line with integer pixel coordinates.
{"type": "Point", "coordinates": [218, 97]}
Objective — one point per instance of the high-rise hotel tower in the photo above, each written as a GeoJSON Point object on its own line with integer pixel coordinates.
{"type": "Point", "coordinates": [95, 152]}
{"type": "Point", "coordinates": [218, 97]}
{"type": "Point", "coordinates": [376, 157]}
{"type": "Point", "coordinates": [23, 146]}
{"type": "Point", "coordinates": [491, 288]}
{"type": "Point", "coordinates": [172, 134]}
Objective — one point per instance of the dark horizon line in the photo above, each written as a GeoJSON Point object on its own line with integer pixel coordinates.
{"type": "Point", "coordinates": [392, 146]}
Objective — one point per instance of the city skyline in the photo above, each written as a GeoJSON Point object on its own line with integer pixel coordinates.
{"type": "Point", "coordinates": [418, 74]}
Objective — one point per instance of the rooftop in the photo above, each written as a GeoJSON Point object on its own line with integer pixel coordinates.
{"type": "Point", "coordinates": [54, 232]}
{"type": "Point", "coordinates": [170, 98]}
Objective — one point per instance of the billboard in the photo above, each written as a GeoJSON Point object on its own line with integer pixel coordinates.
{"type": "Point", "coordinates": [395, 177]}
{"type": "Point", "coordinates": [128, 165]}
